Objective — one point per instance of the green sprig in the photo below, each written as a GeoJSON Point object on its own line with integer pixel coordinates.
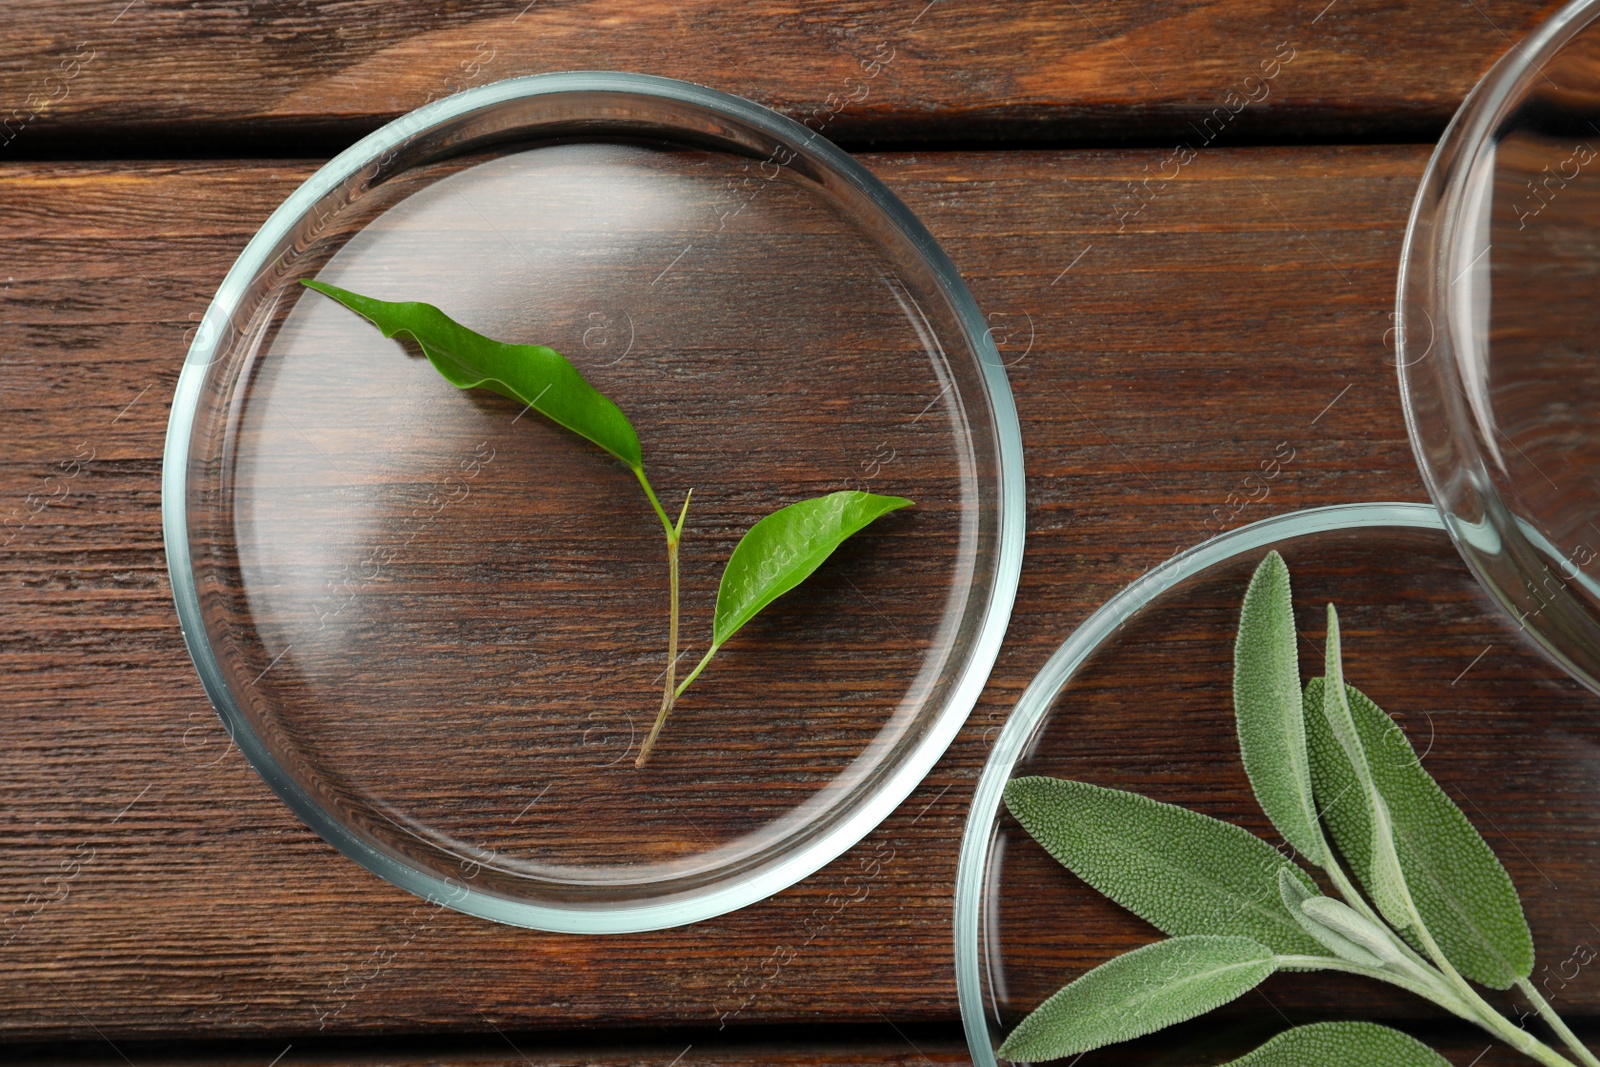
{"type": "Point", "coordinates": [775, 555]}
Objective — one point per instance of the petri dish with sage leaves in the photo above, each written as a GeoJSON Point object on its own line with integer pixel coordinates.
{"type": "Point", "coordinates": [1140, 698]}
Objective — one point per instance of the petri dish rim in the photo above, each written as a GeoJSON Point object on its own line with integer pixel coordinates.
{"type": "Point", "coordinates": [1434, 229]}
{"type": "Point", "coordinates": [809, 148]}
{"type": "Point", "coordinates": [1037, 700]}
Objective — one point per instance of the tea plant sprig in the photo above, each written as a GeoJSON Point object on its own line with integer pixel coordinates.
{"type": "Point", "coordinates": [775, 555]}
{"type": "Point", "coordinates": [1339, 780]}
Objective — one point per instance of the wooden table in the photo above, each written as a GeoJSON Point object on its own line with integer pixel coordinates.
{"type": "Point", "coordinates": [1162, 338]}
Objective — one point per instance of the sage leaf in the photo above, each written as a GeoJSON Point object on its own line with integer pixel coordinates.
{"type": "Point", "coordinates": [1461, 891]}
{"type": "Point", "coordinates": [1385, 879]}
{"type": "Point", "coordinates": [783, 549]}
{"type": "Point", "coordinates": [530, 374]}
{"type": "Point", "coordinates": [1267, 709]}
{"type": "Point", "coordinates": [1342, 920]}
{"type": "Point", "coordinates": [1342, 1045]}
{"type": "Point", "coordinates": [1295, 895]}
{"type": "Point", "coordinates": [1182, 872]}
{"type": "Point", "coordinates": [1139, 993]}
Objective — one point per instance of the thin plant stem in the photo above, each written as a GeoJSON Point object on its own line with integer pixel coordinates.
{"type": "Point", "coordinates": [698, 667]}
{"type": "Point", "coordinates": [1484, 1016]}
{"type": "Point", "coordinates": [1434, 991]}
{"type": "Point", "coordinates": [1517, 1037]}
{"type": "Point", "coordinates": [666, 709]}
{"type": "Point", "coordinates": [661, 512]}
{"type": "Point", "coordinates": [667, 706]}
{"type": "Point", "coordinates": [1557, 1023]}
{"type": "Point", "coordinates": [1489, 1018]}
{"type": "Point", "coordinates": [672, 629]}
{"type": "Point", "coordinates": [1451, 990]}
{"type": "Point", "coordinates": [668, 693]}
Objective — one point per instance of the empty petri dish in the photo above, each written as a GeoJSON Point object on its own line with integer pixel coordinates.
{"type": "Point", "coordinates": [437, 623]}
{"type": "Point", "coordinates": [1498, 334]}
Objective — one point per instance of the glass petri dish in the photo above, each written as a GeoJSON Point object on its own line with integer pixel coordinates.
{"type": "Point", "coordinates": [1498, 334]}
{"type": "Point", "coordinates": [437, 628]}
{"type": "Point", "coordinates": [1139, 697]}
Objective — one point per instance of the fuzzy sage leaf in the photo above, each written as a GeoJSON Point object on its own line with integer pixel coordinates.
{"type": "Point", "coordinates": [1385, 880]}
{"type": "Point", "coordinates": [530, 374]}
{"type": "Point", "coordinates": [1139, 993]}
{"type": "Point", "coordinates": [1295, 898]}
{"type": "Point", "coordinates": [1342, 920]}
{"type": "Point", "coordinates": [1183, 872]}
{"type": "Point", "coordinates": [1342, 1044]}
{"type": "Point", "coordinates": [1461, 891]}
{"type": "Point", "coordinates": [1267, 710]}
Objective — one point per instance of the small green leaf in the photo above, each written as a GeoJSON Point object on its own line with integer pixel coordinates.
{"type": "Point", "coordinates": [1266, 702]}
{"type": "Point", "coordinates": [531, 374]}
{"type": "Point", "coordinates": [1295, 897]}
{"type": "Point", "coordinates": [1461, 891]}
{"type": "Point", "coordinates": [1386, 881]}
{"type": "Point", "coordinates": [783, 549]}
{"type": "Point", "coordinates": [1342, 920]}
{"type": "Point", "coordinates": [1180, 871]}
{"type": "Point", "coordinates": [1342, 1045]}
{"type": "Point", "coordinates": [1139, 993]}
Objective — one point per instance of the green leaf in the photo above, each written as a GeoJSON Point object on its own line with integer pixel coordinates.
{"type": "Point", "coordinates": [1183, 872]}
{"type": "Point", "coordinates": [1344, 921]}
{"type": "Point", "coordinates": [1295, 896]}
{"type": "Point", "coordinates": [1342, 1045]}
{"type": "Point", "coordinates": [1463, 894]}
{"type": "Point", "coordinates": [1385, 880]}
{"type": "Point", "coordinates": [783, 549]}
{"type": "Point", "coordinates": [1266, 703]}
{"type": "Point", "coordinates": [1139, 993]}
{"type": "Point", "coordinates": [531, 374]}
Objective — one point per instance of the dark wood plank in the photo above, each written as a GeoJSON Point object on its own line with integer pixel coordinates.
{"type": "Point", "coordinates": [881, 1046]}
{"type": "Point", "coordinates": [156, 887]}
{"type": "Point", "coordinates": [108, 77]}
{"type": "Point", "coordinates": [822, 1046]}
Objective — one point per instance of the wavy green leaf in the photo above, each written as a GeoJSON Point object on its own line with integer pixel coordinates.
{"type": "Point", "coordinates": [1183, 872]}
{"type": "Point", "coordinates": [1386, 882]}
{"type": "Point", "coordinates": [531, 374]}
{"type": "Point", "coordinates": [1463, 894]}
{"type": "Point", "coordinates": [1266, 702]}
{"type": "Point", "coordinates": [1342, 1045]}
{"type": "Point", "coordinates": [1139, 993]}
{"type": "Point", "coordinates": [783, 549]}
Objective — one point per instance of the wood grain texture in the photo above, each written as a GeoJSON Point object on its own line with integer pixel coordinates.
{"type": "Point", "coordinates": [112, 77]}
{"type": "Point", "coordinates": [155, 887]}
{"type": "Point", "coordinates": [822, 1046]}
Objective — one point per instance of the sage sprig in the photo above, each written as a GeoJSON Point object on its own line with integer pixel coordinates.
{"type": "Point", "coordinates": [1340, 782]}
{"type": "Point", "coordinates": [775, 555]}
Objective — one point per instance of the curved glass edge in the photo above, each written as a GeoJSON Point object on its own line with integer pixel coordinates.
{"type": "Point", "coordinates": [764, 883]}
{"type": "Point", "coordinates": [1041, 693]}
{"type": "Point", "coordinates": [1437, 197]}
